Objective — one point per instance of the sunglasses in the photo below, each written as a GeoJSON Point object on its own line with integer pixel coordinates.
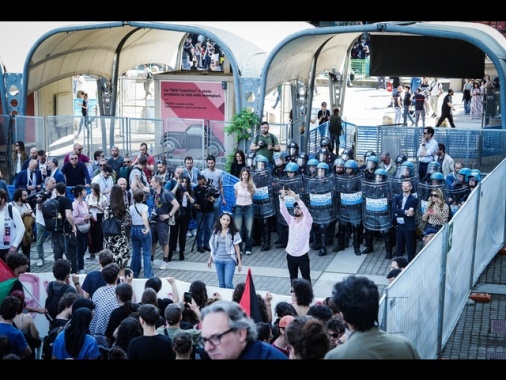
{"type": "Point", "coordinates": [434, 195]}
{"type": "Point", "coordinates": [335, 335]}
{"type": "Point", "coordinates": [127, 162]}
{"type": "Point", "coordinates": [73, 158]}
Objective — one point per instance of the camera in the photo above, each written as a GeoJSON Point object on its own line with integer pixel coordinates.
{"type": "Point", "coordinates": [39, 197]}
{"type": "Point", "coordinates": [212, 191]}
{"type": "Point", "coordinates": [153, 218]}
{"type": "Point", "coordinates": [261, 144]}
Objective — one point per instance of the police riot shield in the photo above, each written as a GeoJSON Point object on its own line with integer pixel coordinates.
{"type": "Point", "coordinates": [287, 183]}
{"type": "Point", "coordinates": [424, 191]}
{"type": "Point", "coordinates": [321, 197]}
{"type": "Point", "coordinates": [455, 196]}
{"type": "Point", "coordinates": [377, 205]}
{"type": "Point", "coordinates": [349, 191]}
{"type": "Point", "coordinates": [263, 200]}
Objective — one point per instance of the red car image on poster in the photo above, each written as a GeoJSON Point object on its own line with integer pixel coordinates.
{"type": "Point", "coordinates": [184, 105]}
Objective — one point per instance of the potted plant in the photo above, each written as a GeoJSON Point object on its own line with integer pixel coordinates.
{"type": "Point", "coordinates": [241, 127]}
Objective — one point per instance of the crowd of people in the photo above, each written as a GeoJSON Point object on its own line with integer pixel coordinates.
{"type": "Point", "coordinates": [155, 205]}
{"type": "Point", "coordinates": [105, 320]}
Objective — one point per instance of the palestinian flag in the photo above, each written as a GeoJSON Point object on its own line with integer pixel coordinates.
{"type": "Point", "coordinates": [7, 279]}
{"type": "Point", "coordinates": [249, 301]}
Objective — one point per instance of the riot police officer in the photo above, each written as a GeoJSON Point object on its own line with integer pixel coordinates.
{"type": "Point", "coordinates": [292, 151]}
{"type": "Point", "coordinates": [377, 211]}
{"type": "Point", "coordinates": [263, 200]}
{"type": "Point", "coordinates": [349, 188]}
{"type": "Point", "coordinates": [321, 199]}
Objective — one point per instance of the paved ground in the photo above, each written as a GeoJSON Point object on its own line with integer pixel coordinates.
{"type": "Point", "coordinates": [475, 336]}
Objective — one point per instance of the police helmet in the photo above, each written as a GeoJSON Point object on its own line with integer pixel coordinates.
{"type": "Point", "coordinates": [464, 172]}
{"type": "Point", "coordinates": [302, 159]}
{"type": "Point", "coordinates": [433, 167]}
{"type": "Point", "coordinates": [278, 159]}
{"type": "Point", "coordinates": [347, 154]}
{"type": "Point", "coordinates": [476, 174]}
{"type": "Point", "coordinates": [371, 162]}
{"type": "Point", "coordinates": [400, 159]}
{"type": "Point", "coordinates": [325, 142]}
{"type": "Point", "coordinates": [250, 159]}
{"type": "Point", "coordinates": [368, 154]}
{"type": "Point", "coordinates": [407, 169]}
{"type": "Point", "coordinates": [292, 149]}
{"type": "Point", "coordinates": [380, 175]}
{"type": "Point", "coordinates": [313, 162]}
{"type": "Point", "coordinates": [339, 162]}
{"type": "Point", "coordinates": [322, 154]}
{"type": "Point", "coordinates": [291, 167]}
{"type": "Point", "coordinates": [261, 162]}
{"type": "Point", "coordinates": [351, 164]}
{"type": "Point", "coordinates": [437, 177]}
{"type": "Point", "coordinates": [323, 166]}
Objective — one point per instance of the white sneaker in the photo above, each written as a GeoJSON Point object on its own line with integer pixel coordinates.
{"type": "Point", "coordinates": [163, 266]}
{"type": "Point", "coordinates": [248, 253]}
{"type": "Point", "coordinates": [40, 262]}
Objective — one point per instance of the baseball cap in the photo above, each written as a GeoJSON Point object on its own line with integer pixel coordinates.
{"type": "Point", "coordinates": [285, 321]}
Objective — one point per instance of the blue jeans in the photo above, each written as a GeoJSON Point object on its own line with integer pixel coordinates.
{"type": "Point", "coordinates": [225, 271]}
{"type": "Point", "coordinates": [39, 243]}
{"type": "Point", "coordinates": [407, 114]}
{"type": "Point", "coordinates": [243, 217]}
{"type": "Point", "coordinates": [204, 228]}
{"type": "Point", "coordinates": [141, 241]}
{"type": "Point", "coordinates": [86, 121]}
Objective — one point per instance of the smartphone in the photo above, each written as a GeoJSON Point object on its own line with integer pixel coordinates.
{"type": "Point", "coordinates": [128, 272]}
{"type": "Point", "coordinates": [187, 297]}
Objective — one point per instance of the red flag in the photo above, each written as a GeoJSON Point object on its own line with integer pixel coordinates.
{"type": "Point", "coordinates": [249, 301]}
{"type": "Point", "coordinates": [7, 279]}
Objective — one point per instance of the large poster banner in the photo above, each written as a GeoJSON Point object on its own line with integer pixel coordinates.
{"type": "Point", "coordinates": [192, 100]}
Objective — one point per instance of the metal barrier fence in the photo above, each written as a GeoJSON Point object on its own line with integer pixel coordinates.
{"type": "Point", "coordinates": [425, 301]}
{"type": "Point", "coordinates": [174, 139]}
{"type": "Point", "coordinates": [360, 67]}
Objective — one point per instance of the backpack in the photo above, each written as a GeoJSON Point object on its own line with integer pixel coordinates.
{"type": "Point", "coordinates": [149, 74]}
{"type": "Point", "coordinates": [52, 299]}
{"type": "Point", "coordinates": [124, 172]}
{"type": "Point", "coordinates": [47, 344]}
{"type": "Point", "coordinates": [52, 216]}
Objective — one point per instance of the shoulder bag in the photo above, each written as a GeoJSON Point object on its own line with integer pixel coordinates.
{"type": "Point", "coordinates": [111, 226]}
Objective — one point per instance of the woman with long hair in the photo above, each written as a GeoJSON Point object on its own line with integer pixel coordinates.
{"type": "Point", "coordinates": [476, 100]}
{"type": "Point", "coordinates": [97, 202]}
{"type": "Point", "coordinates": [140, 235]}
{"type": "Point", "coordinates": [179, 230]}
{"type": "Point", "coordinates": [128, 329]}
{"type": "Point", "coordinates": [238, 163]}
{"type": "Point", "coordinates": [19, 156]}
{"type": "Point", "coordinates": [124, 295]}
{"type": "Point", "coordinates": [225, 250]}
{"type": "Point", "coordinates": [437, 212]}
{"type": "Point", "coordinates": [118, 244]}
{"type": "Point", "coordinates": [81, 217]}
{"type": "Point", "coordinates": [243, 213]}
{"type": "Point", "coordinates": [75, 341]}
{"type": "Point", "coordinates": [25, 323]}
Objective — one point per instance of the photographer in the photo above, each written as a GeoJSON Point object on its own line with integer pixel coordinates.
{"type": "Point", "coordinates": [65, 242]}
{"type": "Point", "coordinates": [204, 206]}
{"type": "Point", "coordinates": [165, 207]}
{"type": "Point", "coordinates": [40, 225]}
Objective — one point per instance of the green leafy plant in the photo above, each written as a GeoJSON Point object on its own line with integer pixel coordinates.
{"type": "Point", "coordinates": [241, 127]}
